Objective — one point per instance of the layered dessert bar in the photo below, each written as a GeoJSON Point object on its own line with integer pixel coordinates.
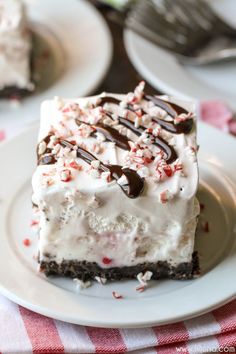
{"type": "Point", "coordinates": [15, 53]}
{"type": "Point", "coordinates": [115, 187]}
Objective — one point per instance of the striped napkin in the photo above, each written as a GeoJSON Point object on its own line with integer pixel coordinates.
{"type": "Point", "coordinates": [23, 331]}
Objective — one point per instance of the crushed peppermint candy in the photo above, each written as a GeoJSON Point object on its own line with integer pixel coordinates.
{"type": "Point", "coordinates": [96, 114]}
{"type": "Point", "coordinates": [63, 130]}
{"type": "Point", "coordinates": [42, 147]}
{"type": "Point", "coordinates": [65, 175]}
{"type": "Point", "coordinates": [53, 141]}
{"type": "Point", "coordinates": [183, 117]}
{"type": "Point", "coordinates": [137, 95]}
{"type": "Point", "coordinates": [138, 155]}
{"type": "Point", "coordinates": [97, 148]}
{"type": "Point", "coordinates": [100, 137]}
{"type": "Point", "coordinates": [147, 140]}
{"type": "Point", "coordinates": [71, 110]}
{"type": "Point", "coordinates": [106, 260]}
{"type": "Point", "coordinates": [80, 284]}
{"type": "Point", "coordinates": [146, 119]}
{"type": "Point", "coordinates": [140, 288]}
{"type": "Point", "coordinates": [137, 122]}
{"type": "Point", "coordinates": [26, 242]}
{"type": "Point", "coordinates": [178, 166]}
{"type": "Point", "coordinates": [117, 295]}
{"type": "Point", "coordinates": [100, 280]}
{"type": "Point", "coordinates": [122, 181]}
{"type": "Point", "coordinates": [49, 182]}
{"type": "Point", "coordinates": [125, 113]}
{"type": "Point", "coordinates": [73, 164]}
{"type": "Point", "coordinates": [163, 169]}
{"type": "Point", "coordinates": [168, 170]}
{"type": "Point", "coordinates": [56, 148]}
{"type": "Point", "coordinates": [158, 112]}
{"type": "Point", "coordinates": [139, 91]}
{"type": "Point", "coordinates": [34, 222]}
{"type": "Point", "coordinates": [165, 196]}
{"type": "Point", "coordinates": [95, 164]}
{"type": "Point", "coordinates": [106, 176]}
{"type": "Point", "coordinates": [157, 130]}
{"type": "Point", "coordinates": [144, 278]}
{"type": "Point", "coordinates": [85, 130]}
{"type": "Point", "coordinates": [191, 151]}
{"type": "Point", "coordinates": [108, 121]}
{"type": "Point", "coordinates": [139, 113]}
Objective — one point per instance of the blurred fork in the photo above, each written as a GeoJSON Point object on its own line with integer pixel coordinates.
{"type": "Point", "coordinates": [190, 29]}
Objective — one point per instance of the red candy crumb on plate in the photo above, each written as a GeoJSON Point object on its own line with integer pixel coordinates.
{"type": "Point", "coordinates": [26, 242]}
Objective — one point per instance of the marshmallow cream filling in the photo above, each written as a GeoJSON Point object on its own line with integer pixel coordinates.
{"type": "Point", "coordinates": [88, 217]}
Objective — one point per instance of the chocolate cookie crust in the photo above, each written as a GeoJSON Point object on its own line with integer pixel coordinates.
{"type": "Point", "coordinates": [88, 270]}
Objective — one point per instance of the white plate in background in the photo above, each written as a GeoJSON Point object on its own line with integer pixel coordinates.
{"type": "Point", "coordinates": [164, 301]}
{"type": "Point", "coordinates": [80, 51]}
{"type": "Point", "coordinates": [165, 73]}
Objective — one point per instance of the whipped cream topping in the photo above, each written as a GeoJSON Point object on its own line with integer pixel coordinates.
{"type": "Point", "coordinates": [15, 45]}
{"type": "Point", "coordinates": [85, 215]}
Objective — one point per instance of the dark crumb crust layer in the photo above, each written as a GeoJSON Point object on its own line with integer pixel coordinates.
{"type": "Point", "coordinates": [14, 91]}
{"type": "Point", "coordinates": [87, 270]}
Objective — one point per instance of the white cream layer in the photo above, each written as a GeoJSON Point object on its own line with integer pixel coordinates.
{"type": "Point", "coordinates": [15, 45]}
{"type": "Point", "coordinates": [88, 218]}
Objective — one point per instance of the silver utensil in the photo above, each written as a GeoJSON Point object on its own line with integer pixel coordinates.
{"type": "Point", "coordinates": [190, 29]}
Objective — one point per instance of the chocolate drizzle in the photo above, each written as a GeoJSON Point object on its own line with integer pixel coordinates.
{"type": "Point", "coordinates": [110, 133]}
{"type": "Point", "coordinates": [47, 158]}
{"type": "Point", "coordinates": [171, 108]}
{"type": "Point", "coordinates": [135, 184]}
{"type": "Point", "coordinates": [183, 127]}
{"type": "Point", "coordinates": [169, 152]}
{"type": "Point", "coordinates": [109, 99]}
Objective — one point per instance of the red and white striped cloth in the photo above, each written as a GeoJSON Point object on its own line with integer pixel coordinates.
{"type": "Point", "coordinates": [23, 331]}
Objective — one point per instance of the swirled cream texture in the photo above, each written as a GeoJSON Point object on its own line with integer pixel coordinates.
{"type": "Point", "coordinates": [84, 214]}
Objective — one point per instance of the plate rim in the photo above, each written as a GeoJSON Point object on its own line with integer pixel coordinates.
{"type": "Point", "coordinates": [109, 54]}
{"type": "Point", "coordinates": [130, 39]}
{"type": "Point", "coordinates": [110, 324]}
{"type": "Point", "coordinates": [104, 27]}
{"type": "Point", "coordinates": [75, 80]}
{"type": "Point", "coordinates": [99, 324]}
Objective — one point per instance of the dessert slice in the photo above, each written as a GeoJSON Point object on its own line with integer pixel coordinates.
{"type": "Point", "coordinates": [15, 53]}
{"type": "Point", "coordinates": [115, 187]}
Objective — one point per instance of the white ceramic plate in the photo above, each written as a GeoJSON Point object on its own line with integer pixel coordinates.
{"type": "Point", "coordinates": [164, 301]}
{"type": "Point", "coordinates": [165, 73]}
{"type": "Point", "coordinates": [73, 49]}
